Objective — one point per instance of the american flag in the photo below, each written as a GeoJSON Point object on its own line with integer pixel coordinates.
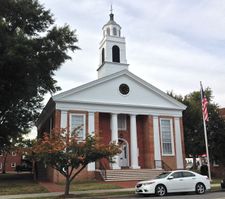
{"type": "Point", "coordinates": [204, 105]}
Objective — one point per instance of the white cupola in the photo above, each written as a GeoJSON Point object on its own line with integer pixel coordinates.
{"type": "Point", "coordinates": [112, 49]}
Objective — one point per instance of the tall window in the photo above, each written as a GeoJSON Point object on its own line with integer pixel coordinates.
{"type": "Point", "coordinates": [116, 54]}
{"type": "Point", "coordinates": [166, 136]}
{"type": "Point", "coordinates": [114, 31]}
{"type": "Point", "coordinates": [103, 55]}
{"type": "Point", "coordinates": [0, 165]}
{"type": "Point", "coordinates": [77, 126]}
{"type": "Point", "coordinates": [122, 122]}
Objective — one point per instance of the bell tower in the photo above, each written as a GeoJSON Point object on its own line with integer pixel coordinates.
{"type": "Point", "coordinates": [112, 49]}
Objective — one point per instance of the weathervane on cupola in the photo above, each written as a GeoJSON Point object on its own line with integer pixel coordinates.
{"type": "Point", "coordinates": [112, 49]}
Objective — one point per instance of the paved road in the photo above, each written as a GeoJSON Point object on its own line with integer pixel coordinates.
{"type": "Point", "coordinates": [211, 195]}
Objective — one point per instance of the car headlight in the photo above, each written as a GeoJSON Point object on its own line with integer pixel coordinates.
{"type": "Point", "coordinates": [148, 183]}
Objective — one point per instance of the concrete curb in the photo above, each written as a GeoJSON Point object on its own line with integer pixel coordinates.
{"type": "Point", "coordinates": [61, 193]}
{"type": "Point", "coordinates": [78, 193]}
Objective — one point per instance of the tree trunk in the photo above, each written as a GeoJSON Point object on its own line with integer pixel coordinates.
{"type": "Point", "coordinates": [4, 162]}
{"type": "Point", "coordinates": [67, 186]}
{"type": "Point", "coordinates": [35, 170]}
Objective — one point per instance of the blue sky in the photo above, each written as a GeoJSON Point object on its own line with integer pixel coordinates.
{"type": "Point", "coordinates": [172, 44]}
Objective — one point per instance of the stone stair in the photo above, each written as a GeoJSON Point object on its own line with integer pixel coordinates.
{"type": "Point", "coordinates": [129, 174]}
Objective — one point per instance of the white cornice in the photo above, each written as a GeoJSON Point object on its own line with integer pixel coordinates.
{"type": "Point", "coordinates": [117, 108]}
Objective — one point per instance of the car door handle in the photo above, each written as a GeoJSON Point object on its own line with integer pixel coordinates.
{"type": "Point", "coordinates": [193, 178]}
{"type": "Point", "coordinates": [181, 180]}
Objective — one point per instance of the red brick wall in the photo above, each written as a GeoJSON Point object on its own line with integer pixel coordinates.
{"type": "Point", "coordinates": [9, 160]}
{"type": "Point", "coordinates": [97, 124]}
{"type": "Point", "coordinates": [141, 140]}
{"type": "Point", "coordinates": [148, 142]}
{"type": "Point", "coordinates": [144, 133]}
{"type": "Point", "coordinates": [104, 134]}
{"type": "Point", "coordinates": [57, 119]}
{"type": "Point", "coordinates": [222, 112]}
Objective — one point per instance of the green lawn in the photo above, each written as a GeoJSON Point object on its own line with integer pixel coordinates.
{"type": "Point", "coordinates": [18, 184]}
{"type": "Point", "coordinates": [91, 185]}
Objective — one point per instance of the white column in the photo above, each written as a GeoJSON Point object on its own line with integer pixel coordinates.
{"type": "Point", "coordinates": [91, 131]}
{"type": "Point", "coordinates": [63, 119]}
{"type": "Point", "coordinates": [133, 142]}
{"type": "Point", "coordinates": [114, 138]}
{"type": "Point", "coordinates": [91, 123]}
{"type": "Point", "coordinates": [157, 148]}
{"type": "Point", "coordinates": [179, 154]}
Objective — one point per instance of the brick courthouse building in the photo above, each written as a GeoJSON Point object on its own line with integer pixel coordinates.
{"type": "Point", "coordinates": [121, 107]}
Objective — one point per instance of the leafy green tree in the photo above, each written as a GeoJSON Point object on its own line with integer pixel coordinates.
{"type": "Point", "coordinates": [68, 155]}
{"type": "Point", "coordinates": [31, 50]}
{"type": "Point", "coordinates": [193, 127]}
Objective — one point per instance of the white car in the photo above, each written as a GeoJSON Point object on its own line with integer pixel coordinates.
{"type": "Point", "coordinates": [174, 181]}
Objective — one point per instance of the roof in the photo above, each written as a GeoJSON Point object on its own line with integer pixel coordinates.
{"type": "Point", "coordinates": [126, 75]}
{"type": "Point", "coordinates": [111, 21]}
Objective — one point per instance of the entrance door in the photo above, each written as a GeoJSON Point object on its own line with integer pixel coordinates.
{"type": "Point", "coordinates": [123, 156]}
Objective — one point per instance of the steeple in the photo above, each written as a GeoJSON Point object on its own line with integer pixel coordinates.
{"type": "Point", "coordinates": [112, 49]}
{"type": "Point", "coordinates": [111, 14]}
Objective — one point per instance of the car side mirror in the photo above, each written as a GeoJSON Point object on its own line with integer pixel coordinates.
{"type": "Point", "coordinates": [170, 178]}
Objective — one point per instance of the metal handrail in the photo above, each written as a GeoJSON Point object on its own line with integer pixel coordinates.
{"type": "Point", "coordinates": [160, 164]}
{"type": "Point", "coordinates": [102, 168]}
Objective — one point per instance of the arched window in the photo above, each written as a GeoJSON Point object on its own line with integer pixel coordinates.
{"type": "Point", "coordinates": [103, 55]}
{"type": "Point", "coordinates": [108, 31]}
{"type": "Point", "coordinates": [115, 54]}
{"type": "Point", "coordinates": [114, 31]}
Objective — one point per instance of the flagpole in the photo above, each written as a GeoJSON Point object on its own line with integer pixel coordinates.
{"type": "Point", "coordinates": [206, 139]}
{"type": "Point", "coordinates": [207, 149]}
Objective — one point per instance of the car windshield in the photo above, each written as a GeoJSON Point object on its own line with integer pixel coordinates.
{"type": "Point", "coordinates": [163, 175]}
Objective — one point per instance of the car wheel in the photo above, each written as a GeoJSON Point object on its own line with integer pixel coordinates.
{"type": "Point", "coordinates": [200, 188]}
{"type": "Point", "coordinates": [160, 190]}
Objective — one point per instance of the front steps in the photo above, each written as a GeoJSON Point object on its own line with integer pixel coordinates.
{"type": "Point", "coordinates": [129, 174]}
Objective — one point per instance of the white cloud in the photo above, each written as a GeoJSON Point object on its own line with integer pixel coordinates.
{"type": "Point", "coordinates": [171, 44]}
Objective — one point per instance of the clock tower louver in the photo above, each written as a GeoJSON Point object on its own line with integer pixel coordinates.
{"type": "Point", "coordinates": [112, 49]}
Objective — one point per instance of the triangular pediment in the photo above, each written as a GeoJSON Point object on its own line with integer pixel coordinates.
{"type": "Point", "coordinates": [106, 91]}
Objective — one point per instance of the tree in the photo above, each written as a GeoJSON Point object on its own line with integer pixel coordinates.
{"type": "Point", "coordinates": [31, 50]}
{"type": "Point", "coordinates": [68, 155]}
{"type": "Point", "coordinates": [193, 127]}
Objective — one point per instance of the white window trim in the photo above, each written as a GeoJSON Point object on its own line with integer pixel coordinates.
{"type": "Point", "coordinates": [1, 153]}
{"type": "Point", "coordinates": [172, 138]}
{"type": "Point", "coordinates": [84, 121]}
{"type": "Point", "coordinates": [13, 153]}
{"type": "Point", "coordinates": [13, 164]}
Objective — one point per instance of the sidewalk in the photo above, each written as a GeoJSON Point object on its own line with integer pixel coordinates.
{"type": "Point", "coordinates": [79, 193]}
{"type": "Point", "coordinates": [61, 193]}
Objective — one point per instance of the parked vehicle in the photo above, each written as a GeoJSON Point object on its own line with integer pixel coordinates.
{"type": "Point", "coordinates": [174, 181]}
{"type": "Point", "coordinates": [26, 165]}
